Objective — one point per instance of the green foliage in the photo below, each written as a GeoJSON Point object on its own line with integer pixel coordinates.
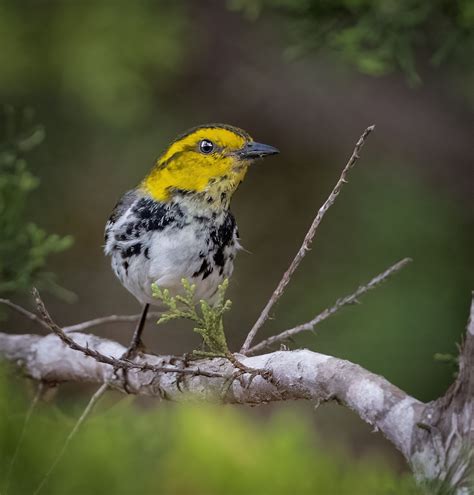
{"type": "Point", "coordinates": [378, 37]}
{"type": "Point", "coordinates": [111, 57]}
{"type": "Point", "coordinates": [209, 320]}
{"type": "Point", "coordinates": [176, 450]}
{"type": "Point", "coordinates": [114, 57]}
{"type": "Point", "coordinates": [24, 247]}
{"type": "Point", "coordinates": [449, 359]}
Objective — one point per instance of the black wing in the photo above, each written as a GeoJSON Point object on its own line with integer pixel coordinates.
{"type": "Point", "coordinates": [120, 208]}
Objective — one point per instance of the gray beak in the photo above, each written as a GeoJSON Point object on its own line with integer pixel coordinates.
{"type": "Point", "coordinates": [256, 150]}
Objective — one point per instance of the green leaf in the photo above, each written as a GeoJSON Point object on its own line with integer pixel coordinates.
{"type": "Point", "coordinates": [208, 319]}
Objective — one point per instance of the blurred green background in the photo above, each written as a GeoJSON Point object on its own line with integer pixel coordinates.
{"type": "Point", "coordinates": [112, 82]}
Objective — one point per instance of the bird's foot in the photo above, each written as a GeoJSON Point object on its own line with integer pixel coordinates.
{"type": "Point", "coordinates": [136, 347]}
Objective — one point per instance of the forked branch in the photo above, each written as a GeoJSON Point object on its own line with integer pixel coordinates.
{"type": "Point", "coordinates": [436, 438]}
{"type": "Point", "coordinates": [339, 304]}
{"type": "Point", "coordinates": [306, 242]}
{"type": "Point", "coordinates": [115, 362]}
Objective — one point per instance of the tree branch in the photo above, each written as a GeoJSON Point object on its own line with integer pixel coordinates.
{"type": "Point", "coordinates": [22, 311]}
{"type": "Point", "coordinates": [436, 438]}
{"type": "Point", "coordinates": [340, 303]}
{"type": "Point", "coordinates": [298, 375]}
{"type": "Point", "coordinates": [116, 363]}
{"type": "Point", "coordinates": [443, 445]}
{"type": "Point", "coordinates": [307, 242]}
{"type": "Point", "coordinates": [85, 325]}
{"type": "Point", "coordinates": [79, 327]}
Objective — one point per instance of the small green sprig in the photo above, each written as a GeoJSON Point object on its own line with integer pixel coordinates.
{"type": "Point", "coordinates": [450, 359]}
{"type": "Point", "coordinates": [208, 319]}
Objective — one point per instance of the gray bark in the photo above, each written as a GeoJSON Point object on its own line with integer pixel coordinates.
{"type": "Point", "coordinates": [435, 438]}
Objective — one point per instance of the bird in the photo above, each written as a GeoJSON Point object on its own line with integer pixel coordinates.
{"type": "Point", "coordinates": [177, 224]}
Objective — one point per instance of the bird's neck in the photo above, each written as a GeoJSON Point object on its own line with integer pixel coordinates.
{"type": "Point", "coordinates": [205, 203]}
{"type": "Point", "coordinates": [214, 195]}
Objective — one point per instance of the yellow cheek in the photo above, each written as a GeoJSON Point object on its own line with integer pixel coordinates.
{"type": "Point", "coordinates": [195, 173]}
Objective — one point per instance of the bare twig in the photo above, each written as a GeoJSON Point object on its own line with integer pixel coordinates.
{"type": "Point", "coordinates": [432, 436]}
{"type": "Point", "coordinates": [299, 374]}
{"type": "Point", "coordinates": [80, 327]}
{"type": "Point", "coordinates": [351, 299]}
{"type": "Point", "coordinates": [307, 242]}
{"type": "Point", "coordinates": [28, 314]}
{"type": "Point", "coordinates": [29, 413]}
{"type": "Point", "coordinates": [92, 402]}
{"type": "Point", "coordinates": [102, 358]}
{"type": "Point", "coordinates": [99, 392]}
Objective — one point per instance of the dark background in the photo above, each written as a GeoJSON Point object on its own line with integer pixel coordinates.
{"type": "Point", "coordinates": [114, 82]}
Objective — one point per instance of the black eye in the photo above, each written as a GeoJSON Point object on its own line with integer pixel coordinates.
{"type": "Point", "coordinates": [206, 146]}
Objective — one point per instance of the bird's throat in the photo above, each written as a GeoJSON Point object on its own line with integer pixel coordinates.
{"type": "Point", "coordinates": [213, 192]}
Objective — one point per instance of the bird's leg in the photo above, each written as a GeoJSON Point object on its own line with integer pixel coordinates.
{"type": "Point", "coordinates": [136, 344]}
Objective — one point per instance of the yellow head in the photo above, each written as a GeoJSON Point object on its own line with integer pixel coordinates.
{"type": "Point", "coordinates": [209, 161]}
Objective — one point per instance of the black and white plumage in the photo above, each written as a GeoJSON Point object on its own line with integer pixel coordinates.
{"type": "Point", "coordinates": [177, 224]}
{"type": "Point", "coordinates": [151, 241]}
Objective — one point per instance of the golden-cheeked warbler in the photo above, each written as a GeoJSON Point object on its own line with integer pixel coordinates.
{"type": "Point", "coordinates": [177, 223]}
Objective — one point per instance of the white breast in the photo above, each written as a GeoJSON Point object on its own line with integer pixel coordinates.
{"type": "Point", "coordinates": [192, 249]}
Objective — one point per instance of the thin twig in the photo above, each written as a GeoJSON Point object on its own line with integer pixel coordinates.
{"type": "Point", "coordinates": [307, 242]}
{"type": "Point", "coordinates": [92, 402]}
{"type": "Point", "coordinates": [340, 303]}
{"type": "Point", "coordinates": [80, 327]}
{"type": "Point", "coordinates": [28, 415]}
{"type": "Point", "coordinates": [28, 314]}
{"type": "Point", "coordinates": [100, 391]}
{"type": "Point", "coordinates": [102, 358]}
